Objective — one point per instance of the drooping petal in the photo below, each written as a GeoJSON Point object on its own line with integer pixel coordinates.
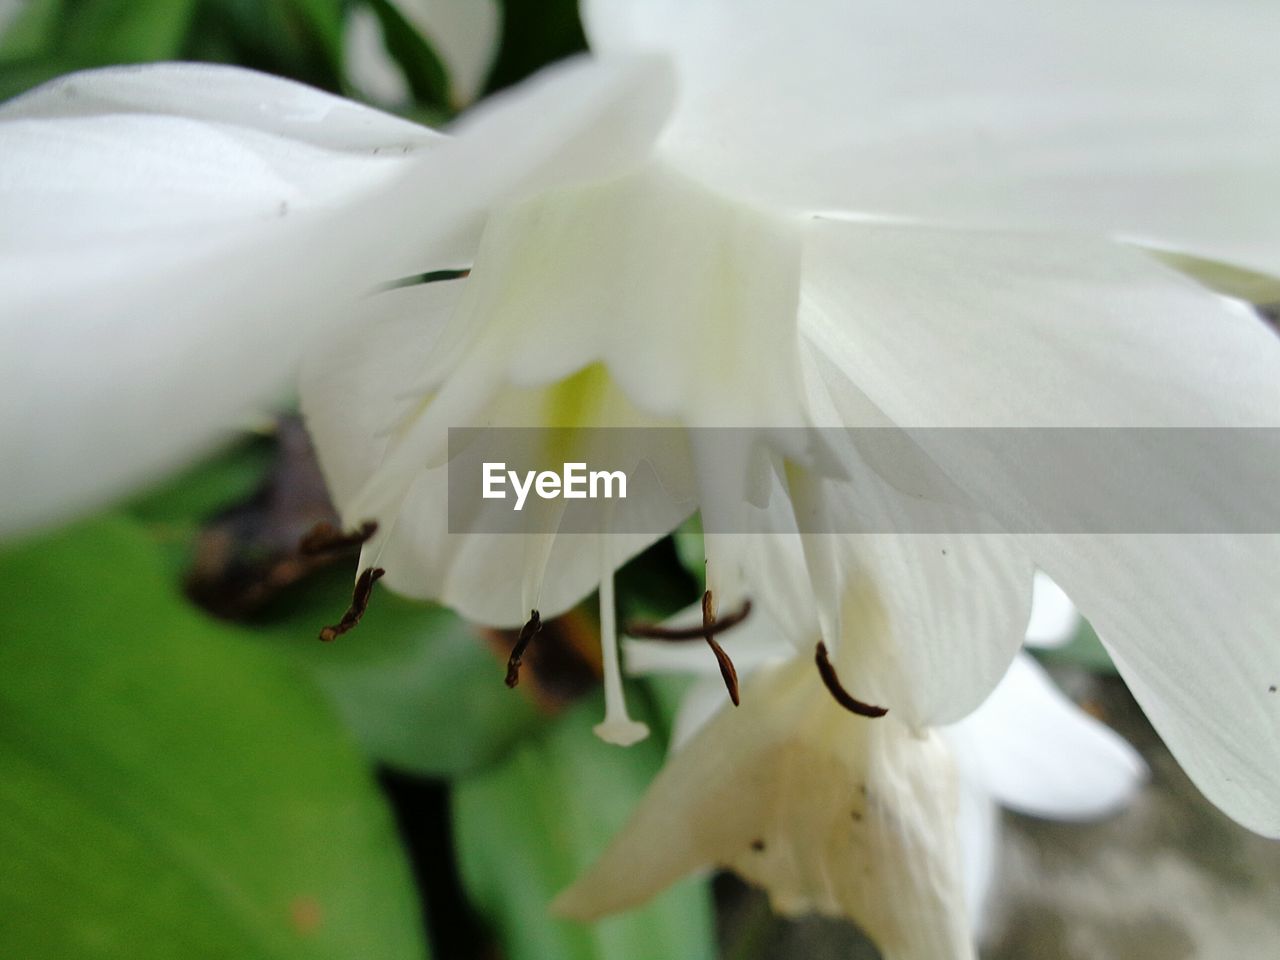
{"type": "Point", "coordinates": [173, 236]}
{"type": "Point", "coordinates": [955, 601]}
{"type": "Point", "coordinates": [1038, 753]}
{"type": "Point", "coordinates": [950, 329]}
{"type": "Point", "coordinates": [1154, 121]}
{"type": "Point", "coordinates": [828, 812]}
{"type": "Point", "coordinates": [1191, 623]}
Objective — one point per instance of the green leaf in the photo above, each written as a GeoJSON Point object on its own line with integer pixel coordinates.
{"type": "Point", "coordinates": [301, 39]}
{"type": "Point", "coordinates": [414, 682]}
{"type": "Point", "coordinates": [534, 34]}
{"type": "Point", "coordinates": [101, 32]}
{"type": "Point", "coordinates": [53, 37]}
{"type": "Point", "coordinates": [169, 788]}
{"type": "Point", "coordinates": [525, 830]}
{"type": "Point", "coordinates": [323, 18]}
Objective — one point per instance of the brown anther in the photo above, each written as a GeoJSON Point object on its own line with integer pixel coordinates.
{"type": "Point", "coordinates": [708, 630]}
{"type": "Point", "coordinates": [531, 628]}
{"type": "Point", "coordinates": [837, 690]}
{"type": "Point", "coordinates": [359, 604]}
{"type": "Point", "coordinates": [653, 631]}
{"type": "Point", "coordinates": [325, 538]}
{"type": "Point", "coordinates": [727, 670]}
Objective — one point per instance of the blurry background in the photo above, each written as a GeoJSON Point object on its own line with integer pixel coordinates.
{"type": "Point", "coordinates": [186, 772]}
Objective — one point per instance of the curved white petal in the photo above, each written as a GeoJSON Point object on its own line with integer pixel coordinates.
{"type": "Point", "coordinates": [1155, 121]}
{"type": "Point", "coordinates": [1054, 618]}
{"type": "Point", "coordinates": [174, 235]}
{"type": "Point", "coordinates": [1038, 753]}
{"type": "Point", "coordinates": [369, 68]}
{"type": "Point", "coordinates": [1036, 332]}
{"type": "Point", "coordinates": [955, 601]}
{"type": "Point", "coordinates": [1191, 623]}
{"type": "Point", "coordinates": [218, 94]}
{"type": "Point", "coordinates": [830, 813]}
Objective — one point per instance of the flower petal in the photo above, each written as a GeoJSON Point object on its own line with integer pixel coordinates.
{"type": "Point", "coordinates": [218, 94]}
{"type": "Point", "coordinates": [1190, 622]}
{"type": "Point", "coordinates": [830, 813]}
{"type": "Point", "coordinates": [175, 235]}
{"type": "Point", "coordinates": [1158, 122]}
{"type": "Point", "coordinates": [953, 329]}
{"type": "Point", "coordinates": [1054, 618]}
{"type": "Point", "coordinates": [1038, 753]}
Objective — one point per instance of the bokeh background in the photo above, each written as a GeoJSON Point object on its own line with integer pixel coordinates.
{"type": "Point", "coordinates": [186, 772]}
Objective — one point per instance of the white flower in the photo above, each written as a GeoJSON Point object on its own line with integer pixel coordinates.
{"type": "Point", "coordinates": [699, 290]}
{"type": "Point", "coordinates": [729, 275]}
{"type": "Point", "coordinates": [847, 816]}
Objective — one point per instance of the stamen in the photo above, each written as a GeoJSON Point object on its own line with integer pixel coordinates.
{"type": "Point", "coordinates": [359, 604]}
{"type": "Point", "coordinates": [727, 670]}
{"type": "Point", "coordinates": [532, 627]}
{"type": "Point", "coordinates": [837, 690]}
{"type": "Point", "coordinates": [325, 538]}
{"type": "Point", "coordinates": [654, 631]}
{"type": "Point", "coordinates": [618, 728]}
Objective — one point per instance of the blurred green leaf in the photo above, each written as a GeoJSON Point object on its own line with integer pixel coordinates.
{"type": "Point", "coordinates": [526, 829]}
{"type": "Point", "coordinates": [193, 496]}
{"type": "Point", "coordinates": [174, 510]}
{"type": "Point", "coordinates": [415, 683]}
{"type": "Point", "coordinates": [301, 39]}
{"type": "Point", "coordinates": [100, 32]}
{"type": "Point", "coordinates": [534, 34]}
{"type": "Point", "coordinates": [33, 31]}
{"type": "Point", "coordinates": [170, 789]}
{"type": "Point", "coordinates": [53, 38]}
